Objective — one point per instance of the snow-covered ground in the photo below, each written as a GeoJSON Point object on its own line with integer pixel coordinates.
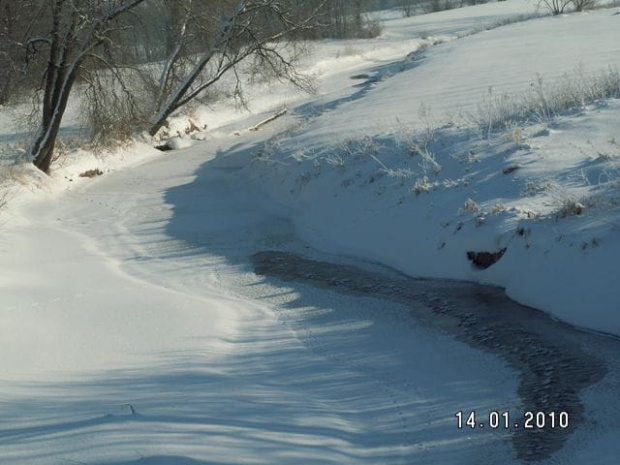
{"type": "Point", "coordinates": [133, 329]}
{"type": "Point", "coordinates": [135, 315]}
{"type": "Point", "coordinates": [134, 291]}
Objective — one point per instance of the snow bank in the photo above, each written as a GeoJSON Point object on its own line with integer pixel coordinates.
{"type": "Point", "coordinates": [395, 173]}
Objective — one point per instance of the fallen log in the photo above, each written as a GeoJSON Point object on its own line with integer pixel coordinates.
{"type": "Point", "coordinates": [269, 120]}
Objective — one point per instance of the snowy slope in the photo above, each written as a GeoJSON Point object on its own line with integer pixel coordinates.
{"type": "Point", "coordinates": [356, 179]}
{"type": "Point", "coordinates": [455, 77]}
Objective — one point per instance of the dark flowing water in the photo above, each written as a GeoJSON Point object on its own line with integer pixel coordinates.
{"type": "Point", "coordinates": [550, 356]}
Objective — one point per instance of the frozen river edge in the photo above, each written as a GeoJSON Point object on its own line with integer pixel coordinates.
{"type": "Point", "coordinates": [553, 370]}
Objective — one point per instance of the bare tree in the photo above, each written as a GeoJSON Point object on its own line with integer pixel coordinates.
{"type": "Point", "coordinates": [75, 30]}
{"type": "Point", "coordinates": [407, 7]}
{"type": "Point", "coordinates": [581, 5]}
{"type": "Point", "coordinates": [254, 30]}
{"type": "Point", "coordinates": [14, 18]}
{"type": "Point", "coordinates": [557, 7]}
{"type": "Point", "coordinates": [136, 62]}
{"type": "Point", "coordinates": [359, 7]}
{"type": "Point", "coordinates": [6, 62]}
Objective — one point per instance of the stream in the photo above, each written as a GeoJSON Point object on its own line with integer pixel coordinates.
{"type": "Point", "coordinates": [550, 356]}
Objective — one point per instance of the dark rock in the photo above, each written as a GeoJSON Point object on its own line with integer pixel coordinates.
{"type": "Point", "coordinates": [483, 260]}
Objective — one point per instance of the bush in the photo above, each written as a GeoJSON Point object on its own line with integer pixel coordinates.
{"type": "Point", "coordinates": [543, 102]}
{"type": "Point", "coordinates": [571, 207]}
{"type": "Point", "coordinates": [372, 28]}
{"type": "Point", "coordinates": [113, 112]}
{"type": "Point", "coordinates": [581, 5]}
{"type": "Point", "coordinates": [557, 7]}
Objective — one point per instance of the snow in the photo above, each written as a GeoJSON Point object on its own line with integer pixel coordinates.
{"type": "Point", "coordinates": [337, 175]}
{"type": "Point", "coordinates": [133, 330]}
{"type": "Point", "coordinates": [119, 311]}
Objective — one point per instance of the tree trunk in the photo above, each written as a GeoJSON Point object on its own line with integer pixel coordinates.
{"type": "Point", "coordinates": [69, 44]}
{"type": "Point", "coordinates": [173, 101]}
{"type": "Point", "coordinates": [159, 123]}
{"type": "Point", "coordinates": [42, 150]}
{"type": "Point", "coordinates": [43, 161]}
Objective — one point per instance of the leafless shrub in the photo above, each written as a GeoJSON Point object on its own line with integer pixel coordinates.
{"type": "Point", "coordinates": [408, 8]}
{"type": "Point", "coordinates": [556, 7]}
{"type": "Point", "coordinates": [400, 174]}
{"type": "Point", "coordinates": [534, 188]}
{"type": "Point", "coordinates": [516, 136]}
{"type": "Point", "coordinates": [360, 147]}
{"type": "Point", "coordinates": [498, 208]}
{"type": "Point", "coordinates": [269, 150]}
{"type": "Point", "coordinates": [610, 152]}
{"type": "Point", "coordinates": [336, 160]}
{"type": "Point", "coordinates": [581, 5]}
{"type": "Point", "coordinates": [434, 6]}
{"type": "Point", "coordinates": [570, 207]}
{"type": "Point", "coordinates": [112, 111]}
{"type": "Point", "coordinates": [605, 5]}
{"type": "Point", "coordinates": [543, 102]}
{"type": "Point", "coordinates": [509, 20]}
{"type": "Point", "coordinates": [422, 186]}
{"type": "Point", "coordinates": [65, 145]}
{"type": "Point", "coordinates": [470, 207]}
{"type": "Point", "coordinates": [417, 142]}
{"type": "Point", "coordinates": [372, 28]}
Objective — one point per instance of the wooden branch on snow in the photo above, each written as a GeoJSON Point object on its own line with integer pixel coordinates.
{"type": "Point", "coordinates": [269, 120]}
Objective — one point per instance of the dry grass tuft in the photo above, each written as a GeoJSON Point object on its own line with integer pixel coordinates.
{"type": "Point", "coordinates": [91, 173]}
